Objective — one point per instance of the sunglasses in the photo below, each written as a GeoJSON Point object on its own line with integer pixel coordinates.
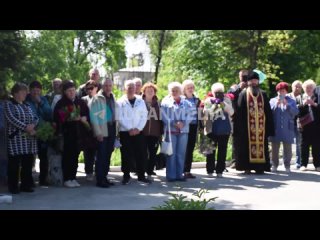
{"type": "Point", "coordinates": [89, 88]}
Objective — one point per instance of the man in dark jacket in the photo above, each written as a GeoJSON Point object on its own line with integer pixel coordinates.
{"type": "Point", "coordinates": [235, 90]}
{"type": "Point", "coordinates": [41, 108]}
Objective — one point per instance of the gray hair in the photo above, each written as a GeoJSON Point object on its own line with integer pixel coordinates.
{"type": "Point", "coordinates": [105, 80]}
{"type": "Point", "coordinates": [217, 87]}
{"type": "Point", "coordinates": [135, 80]}
{"type": "Point", "coordinates": [93, 70]}
{"type": "Point", "coordinates": [295, 83]}
{"type": "Point", "coordinates": [173, 85]}
{"type": "Point", "coordinates": [307, 83]}
{"type": "Point", "coordinates": [57, 80]}
{"type": "Point", "coordinates": [127, 83]}
{"type": "Point", "coordinates": [187, 83]}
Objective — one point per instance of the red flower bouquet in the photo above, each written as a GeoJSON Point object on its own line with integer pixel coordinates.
{"type": "Point", "coordinates": [72, 113]}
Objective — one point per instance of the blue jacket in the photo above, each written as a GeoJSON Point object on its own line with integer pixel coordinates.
{"type": "Point", "coordinates": [284, 120]}
{"type": "Point", "coordinates": [43, 111]}
{"type": "Point", "coordinates": [171, 113]}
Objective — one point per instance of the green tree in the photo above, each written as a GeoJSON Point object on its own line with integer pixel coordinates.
{"type": "Point", "coordinates": [209, 56]}
{"type": "Point", "coordinates": [158, 40]}
{"type": "Point", "coordinates": [12, 53]}
{"type": "Point", "coordinates": [65, 53]}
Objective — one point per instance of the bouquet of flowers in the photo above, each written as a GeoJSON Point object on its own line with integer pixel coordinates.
{"type": "Point", "coordinates": [72, 113]}
{"type": "Point", "coordinates": [214, 106]}
{"type": "Point", "coordinates": [206, 146]}
{"type": "Point", "coordinates": [45, 131]}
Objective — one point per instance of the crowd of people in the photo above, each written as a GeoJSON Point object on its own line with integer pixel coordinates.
{"type": "Point", "coordinates": [92, 120]}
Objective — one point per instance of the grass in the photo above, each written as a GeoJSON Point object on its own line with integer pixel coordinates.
{"type": "Point", "coordinates": [197, 156]}
{"type": "Point", "coordinates": [115, 158]}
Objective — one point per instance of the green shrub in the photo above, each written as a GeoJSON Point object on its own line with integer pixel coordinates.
{"type": "Point", "coordinates": [180, 202]}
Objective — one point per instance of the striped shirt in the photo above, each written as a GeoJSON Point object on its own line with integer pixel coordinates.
{"type": "Point", "coordinates": [18, 117]}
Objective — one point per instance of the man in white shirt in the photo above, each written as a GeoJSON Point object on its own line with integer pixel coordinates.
{"type": "Point", "coordinates": [132, 117]}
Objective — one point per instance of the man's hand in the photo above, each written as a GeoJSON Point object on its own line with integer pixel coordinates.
{"type": "Point", "coordinates": [100, 138]}
{"type": "Point", "coordinates": [136, 131]}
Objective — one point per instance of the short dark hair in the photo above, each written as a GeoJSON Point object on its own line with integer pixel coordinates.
{"type": "Point", "coordinates": [67, 84]}
{"type": "Point", "coordinates": [35, 84]}
{"type": "Point", "coordinates": [17, 87]}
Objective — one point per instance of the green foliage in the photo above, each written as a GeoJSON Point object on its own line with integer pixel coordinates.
{"type": "Point", "coordinates": [45, 131]}
{"type": "Point", "coordinates": [12, 53]}
{"type": "Point", "coordinates": [209, 56]}
{"type": "Point", "coordinates": [114, 161]}
{"type": "Point", "coordinates": [69, 54]}
{"type": "Point", "coordinates": [181, 202]}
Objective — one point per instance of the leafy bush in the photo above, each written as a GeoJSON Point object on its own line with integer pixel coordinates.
{"type": "Point", "coordinates": [180, 202]}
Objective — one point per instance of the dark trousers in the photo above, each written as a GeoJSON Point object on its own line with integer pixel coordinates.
{"type": "Point", "coordinates": [152, 148]}
{"type": "Point", "coordinates": [306, 143]}
{"type": "Point", "coordinates": [89, 158]}
{"type": "Point", "coordinates": [70, 158]}
{"type": "Point", "coordinates": [192, 138]}
{"type": "Point", "coordinates": [133, 151]}
{"type": "Point", "coordinates": [14, 164]}
{"type": "Point", "coordinates": [44, 165]}
{"type": "Point", "coordinates": [105, 149]}
{"type": "Point", "coordinates": [234, 150]}
{"type": "Point", "coordinates": [222, 144]}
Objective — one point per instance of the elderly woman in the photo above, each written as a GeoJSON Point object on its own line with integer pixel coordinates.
{"type": "Point", "coordinates": [188, 90]}
{"type": "Point", "coordinates": [89, 153]}
{"type": "Point", "coordinates": [309, 121]}
{"type": "Point", "coordinates": [218, 111]}
{"type": "Point", "coordinates": [22, 144]}
{"type": "Point", "coordinates": [284, 110]}
{"type": "Point", "coordinates": [71, 114]}
{"type": "Point", "coordinates": [153, 129]}
{"type": "Point", "coordinates": [296, 95]}
{"type": "Point", "coordinates": [176, 114]}
{"type": "Point", "coordinates": [132, 118]}
{"type": "Point", "coordinates": [3, 139]}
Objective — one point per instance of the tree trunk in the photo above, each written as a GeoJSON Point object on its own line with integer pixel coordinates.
{"type": "Point", "coordinates": [255, 48]}
{"type": "Point", "coordinates": [159, 55]}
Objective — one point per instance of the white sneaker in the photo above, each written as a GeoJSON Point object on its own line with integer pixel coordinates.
{"type": "Point", "coordinates": [89, 177]}
{"type": "Point", "coordinates": [274, 169]}
{"type": "Point", "coordinates": [69, 184]}
{"type": "Point", "coordinates": [219, 175]}
{"type": "Point", "coordinates": [288, 170]}
{"type": "Point", "coordinates": [210, 175]}
{"type": "Point", "coordinates": [75, 183]}
{"type": "Point", "coordinates": [303, 168]}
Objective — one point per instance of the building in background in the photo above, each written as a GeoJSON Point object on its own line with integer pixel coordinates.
{"type": "Point", "coordinates": [139, 62]}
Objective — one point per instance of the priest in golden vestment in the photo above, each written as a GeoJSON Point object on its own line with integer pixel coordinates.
{"type": "Point", "coordinates": [253, 125]}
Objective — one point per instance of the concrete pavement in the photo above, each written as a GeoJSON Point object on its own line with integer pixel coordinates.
{"type": "Point", "coordinates": [297, 190]}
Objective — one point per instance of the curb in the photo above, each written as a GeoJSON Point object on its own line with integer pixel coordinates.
{"type": "Point", "coordinates": [194, 165]}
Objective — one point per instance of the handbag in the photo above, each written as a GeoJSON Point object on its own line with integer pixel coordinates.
{"type": "Point", "coordinates": [306, 119]}
{"type": "Point", "coordinates": [221, 126]}
{"type": "Point", "coordinates": [160, 161]}
{"type": "Point", "coordinates": [166, 146]}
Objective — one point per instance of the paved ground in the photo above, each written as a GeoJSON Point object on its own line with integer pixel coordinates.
{"type": "Point", "coordinates": [298, 190]}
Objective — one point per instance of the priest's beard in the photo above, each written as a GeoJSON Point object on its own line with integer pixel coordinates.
{"type": "Point", "coordinates": [255, 90]}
